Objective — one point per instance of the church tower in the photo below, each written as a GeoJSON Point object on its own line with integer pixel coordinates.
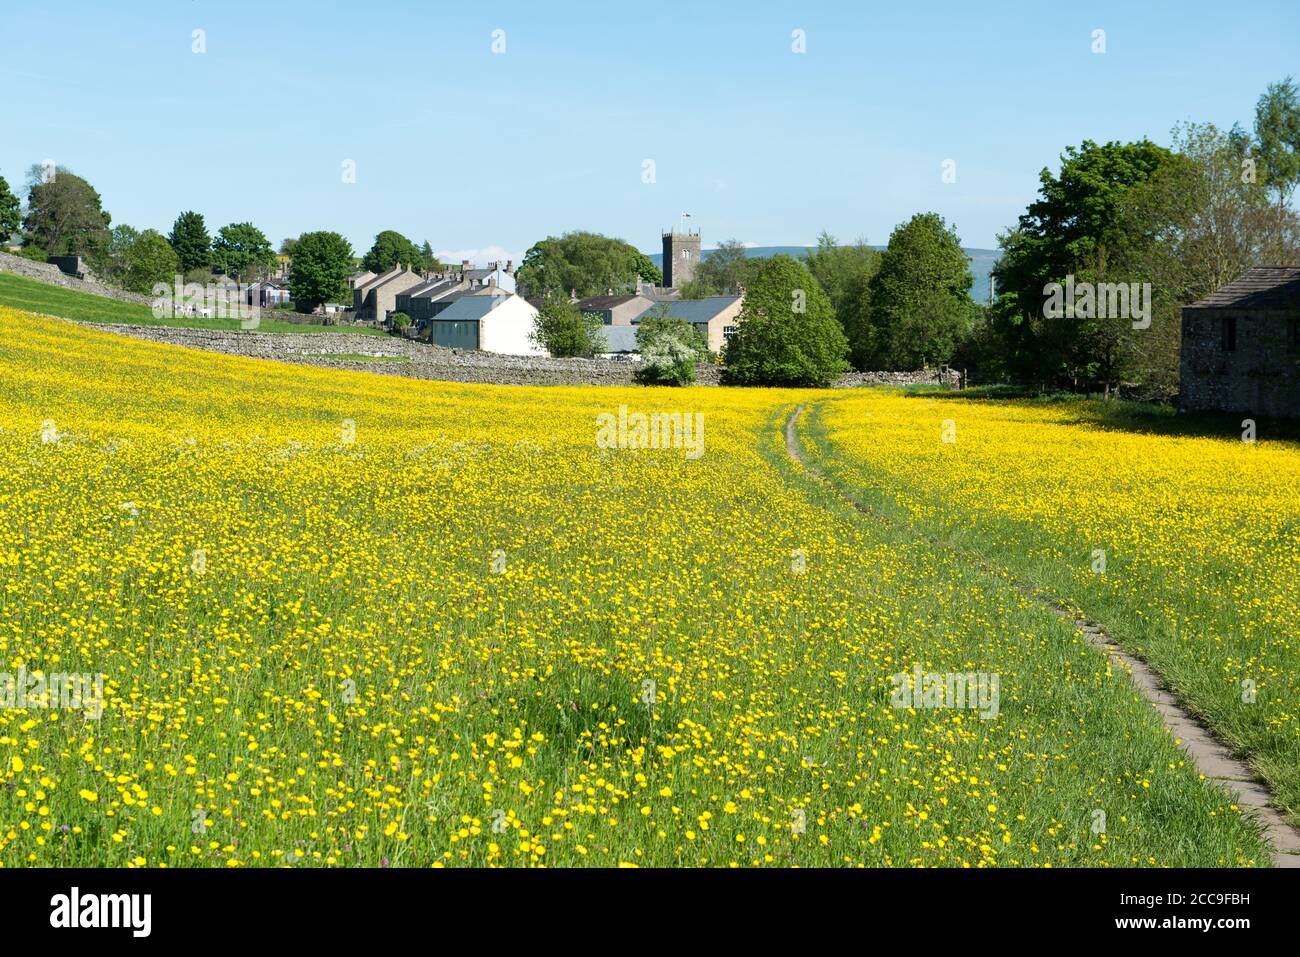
{"type": "Point", "coordinates": [681, 255]}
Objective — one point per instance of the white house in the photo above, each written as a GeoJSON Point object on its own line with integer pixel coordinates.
{"type": "Point", "coordinates": [487, 323]}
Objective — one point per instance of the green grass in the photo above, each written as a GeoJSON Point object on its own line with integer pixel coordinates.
{"type": "Point", "coordinates": [1196, 640]}
{"type": "Point", "coordinates": [35, 296]}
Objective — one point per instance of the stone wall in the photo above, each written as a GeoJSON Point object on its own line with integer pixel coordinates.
{"type": "Point", "coordinates": [45, 272]}
{"type": "Point", "coordinates": [394, 355]}
{"type": "Point", "coordinates": [945, 377]}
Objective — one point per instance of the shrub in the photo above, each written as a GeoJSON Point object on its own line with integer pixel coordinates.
{"type": "Point", "coordinates": [670, 350]}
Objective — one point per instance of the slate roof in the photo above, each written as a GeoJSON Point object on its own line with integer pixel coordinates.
{"type": "Point", "coordinates": [1262, 287]}
{"type": "Point", "coordinates": [433, 289]}
{"type": "Point", "coordinates": [692, 310]}
{"type": "Point", "coordinates": [619, 339]}
{"type": "Point", "coordinates": [469, 308]}
{"type": "Point", "coordinates": [599, 303]}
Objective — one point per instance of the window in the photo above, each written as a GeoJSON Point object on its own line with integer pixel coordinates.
{"type": "Point", "coordinates": [728, 332]}
{"type": "Point", "coordinates": [1229, 329]}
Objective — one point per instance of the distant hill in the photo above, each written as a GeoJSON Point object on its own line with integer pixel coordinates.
{"type": "Point", "coordinates": [981, 262]}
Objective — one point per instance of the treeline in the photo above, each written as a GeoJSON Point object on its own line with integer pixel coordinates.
{"type": "Point", "coordinates": [64, 215]}
{"type": "Point", "coordinates": [1139, 229]}
{"type": "Point", "coordinates": [1176, 223]}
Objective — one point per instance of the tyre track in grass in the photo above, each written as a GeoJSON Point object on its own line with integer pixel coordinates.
{"type": "Point", "coordinates": [1210, 756]}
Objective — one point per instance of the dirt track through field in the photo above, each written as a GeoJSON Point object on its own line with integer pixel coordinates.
{"type": "Point", "coordinates": [1210, 756]}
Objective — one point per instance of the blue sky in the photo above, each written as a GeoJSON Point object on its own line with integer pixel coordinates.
{"type": "Point", "coordinates": [484, 153]}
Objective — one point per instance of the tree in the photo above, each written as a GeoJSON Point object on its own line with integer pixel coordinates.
{"type": "Point", "coordinates": [287, 246]}
{"type": "Point", "coordinates": [1057, 236]}
{"type": "Point", "coordinates": [64, 213]}
{"type": "Point", "coordinates": [1194, 226]}
{"type": "Point", "coordinates": [586, 263]}
{"type": "Point", "coordinates": [787, 333]}
{"type": "Point", "coordinates": [1277, 129]}
{"type": "Point", "coordinates": [389, 249]}
{"type": "Point", "coordinates": [920, 297]}
{"type": "Point", "coordinates": [111, 259]}
{"type": "Point", "coordinates": [150, 259]}
{"type": "Point", "coordinates": [189, 237]}
{"type": "Point", "coordinates": [241, 249]}
{"type": "Point", "coordinates": [565, 331]}
{"type": "Point", "coordinates": [322, 263]}
{"type": "Point", "coordinates": [670, 349]}
{"type": "Point", "coordinates": [845, 274]}
{"type": "Point", "coordinates": [427, 257]}
{"type": "Point", "coordinates": [723, 272]}
{"type": "Point", "coordinates": [11, 219]}
{"type": "Point", "coordinates": [841, 269]}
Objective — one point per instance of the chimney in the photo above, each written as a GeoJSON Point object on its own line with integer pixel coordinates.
{"type": "Point", "coordinates": [510, 265]}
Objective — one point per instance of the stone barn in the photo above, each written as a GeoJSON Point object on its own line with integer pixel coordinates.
{"type": "Point", "coordinates": [1240, 351]}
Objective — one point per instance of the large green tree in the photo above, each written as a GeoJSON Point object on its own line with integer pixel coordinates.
{"type": "Point", "coordinates": [723, 272]}
{"type": "Point", "coordinates": [565, 331]}
{"type": "Point", "coordinates": [1277, 134]}
{"type": "Point", "coordinates": [920, 305]}
{"type": "Point", "coordinates": [586, 263]}
{"type": "Point", "coordinates": [150, 259]}
{"type": "Point", "coordinates": [241, 250]}
{"type": "Point", "coordinates": [111, 258]}
{"type": "Point", "coordinates": [389, 249]}
{"type": "Point", "coordinates": [787, 333]}
{"type": "Point", "coordinates": [1195, 225]}
{"type": "Point", "coordinates": [11, 219]}
{"type": "Point", "coordinates": [189, 237]}
{"type": "Point", "coordinates": [1059, 235]}
{"type": "Point", "coordinates": [840, 270]}
{"type": "Point", "coordinates": [322, 262]}
{"type": "Point", "coordinates": [845, 274]}
{"type": "Point", "coordinates": [65, 216]}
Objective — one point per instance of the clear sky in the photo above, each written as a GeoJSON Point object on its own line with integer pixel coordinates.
{"type": "Point", "coordinates": [484, 153]}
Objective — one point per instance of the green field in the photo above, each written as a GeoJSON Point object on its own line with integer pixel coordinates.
{"type": "Point", "coordinates": [346, 619]}
{"type": "Point", "coordinates": [19, 292]}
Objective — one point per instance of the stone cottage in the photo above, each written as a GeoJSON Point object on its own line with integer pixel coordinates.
{"type": "Point", "coordinates": [376, 297]}
{"type": "Point", "coordinates": [1240, 347]}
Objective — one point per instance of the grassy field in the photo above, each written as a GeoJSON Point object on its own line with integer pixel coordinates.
{"type": "Point", "coordinates": [19, 292]}
{"type": "Point", "coordinates": [1183, 539]}
{"type": "Point", "coordinates": [343, 619]}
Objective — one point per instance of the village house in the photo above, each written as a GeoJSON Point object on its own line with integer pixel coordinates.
{"type": "Point", "coordinates": [374, 298]}
{"type": "Point", "coordinates": [616, 310]}
{"type": "Point", "coordinates": [714, 316]}
{"type": "Point", "coordinates": [1241, 346]}
{"type": "Point", "coordinates": [268, 293]}
{"type": "Point", "coordinates": [488, 322]}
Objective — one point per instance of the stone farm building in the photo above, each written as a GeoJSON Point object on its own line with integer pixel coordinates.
{"type": "Point", "coordinates": [1241, 346]}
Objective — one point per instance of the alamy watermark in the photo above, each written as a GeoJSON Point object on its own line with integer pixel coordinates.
{"type": "Point", "coordinates": [1105, 300]}
{"type": "Point", "coordinates": [976, 690]}
{"type": "Point", "coordinates": [36, 689]}
{"type": "Point", "coordinates": [228, 300]}
{"type": "Point", "coordinates": [656, 430]}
